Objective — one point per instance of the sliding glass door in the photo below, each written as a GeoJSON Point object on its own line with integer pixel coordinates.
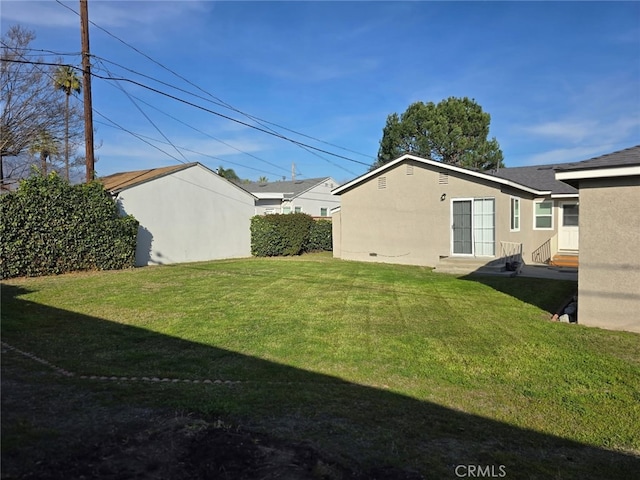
{"type": "Point", "coordinates": [473, 227]}
{"type": "Point", "coordinates": [461, 229]}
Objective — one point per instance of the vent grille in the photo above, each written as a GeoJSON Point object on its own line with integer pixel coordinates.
{"type": "Point", "coordinates": [382, 183]}
{"type": "Point", "coordinates": [409, 169]}
{"type": "Point", "coordinates": [443, 178]}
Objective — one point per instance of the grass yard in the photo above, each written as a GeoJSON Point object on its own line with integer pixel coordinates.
{"type": "Point", "coordinates": [375, 365]}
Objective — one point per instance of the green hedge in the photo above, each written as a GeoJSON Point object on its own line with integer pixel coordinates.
{"type": "Point", "coordinates": [320, 237]}
{"type": "Point", "coordinates": [49, 227]}
{"type": "Point", "coordinates": [292, 234]}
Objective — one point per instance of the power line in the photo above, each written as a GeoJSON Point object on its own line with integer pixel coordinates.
{"type": "Point", "coordinates": [221, 102]}
{"type": "Point", "coordinates": [121, 88]}
{"type": "Point", "coordinates": [144, 138]}
{"type": "Point", "coordinates": [222, 160]}
{"type": "Point", "coordinates": [139, 137]}
{"type": "Point", "coordinates": [256, 119]}
{"type": "Point", "coordinates": [40, 51]}
{"type": "Point", "coordinates": [205, 109]}
{"type": "Point", "coordinates": [194, 128]}
{"type": "Point", "coordinates": [209, 135]}
{"type": "Point", "coordinates": [221, 115]}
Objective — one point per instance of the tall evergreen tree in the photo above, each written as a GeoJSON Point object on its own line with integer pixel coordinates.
{"type": "Point", "coordinates": [453, 131]}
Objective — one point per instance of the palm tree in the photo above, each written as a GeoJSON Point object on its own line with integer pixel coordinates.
{"type": "Point", "coordinates": [46, 146]}
{"type": "Point", "coordinates": [263, 179]}
{"type": "Point", "coordinates": [65, 79]}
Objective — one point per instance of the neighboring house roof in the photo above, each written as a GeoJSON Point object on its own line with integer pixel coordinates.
{"type": "Point", "coordinates": [284, 190]}
{"type": "Point", "coordinates": [118, 182]}
{"type": "Point", "coordinates": [622, 163]}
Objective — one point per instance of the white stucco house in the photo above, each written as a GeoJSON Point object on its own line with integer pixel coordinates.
{"type": "Point", "coordinates": [311, 196]}
{"type": "Point", "coordinates": [187, 213]}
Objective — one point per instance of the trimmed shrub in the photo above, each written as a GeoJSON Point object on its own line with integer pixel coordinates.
{"type": "Point", "coordinates": [265, 237]}
{"type": "Point", "coordinates": [320, 237]}
{"type": "Point", "coordinates": [50, 227]}
{"type": "Point", "coordinates": [291, 234]}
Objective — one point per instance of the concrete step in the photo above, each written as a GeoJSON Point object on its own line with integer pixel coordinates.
{"type": "Point", "coordinates": [461, 266]}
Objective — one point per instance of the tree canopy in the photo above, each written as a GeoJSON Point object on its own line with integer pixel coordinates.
{"type": "Point", "coordinates": [453, 131]}
{"type": "Point", "coordinates": [228, 173]}
{"type": "Point", "coordinates": [32, 109]}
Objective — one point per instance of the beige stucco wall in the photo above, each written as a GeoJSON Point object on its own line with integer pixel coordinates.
{"type": "Point", "coordinates": [336, 232]}
{"type": "Point", "coordinates": [408, 222]}
{"type": "Point", "coordinates": [609, 274]}
{"type": "Point", "coordinates": [190, 215]}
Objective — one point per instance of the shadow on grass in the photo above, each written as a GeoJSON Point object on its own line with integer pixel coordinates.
{"type": "Point", "coordinates": [546, 294]}
{"type": "Point", "coordinates": [361, 425]}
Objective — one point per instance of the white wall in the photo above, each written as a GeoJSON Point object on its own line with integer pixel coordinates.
{"type": "Point", "coordinates": [190, 215]}
{"type": "Point", "coordinates": [269, 205]}
{"type": "Point", "coordinates": [316, 198]}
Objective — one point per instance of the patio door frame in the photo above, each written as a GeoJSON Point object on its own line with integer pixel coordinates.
{"type": "Point", "coordinates": [473, 228]}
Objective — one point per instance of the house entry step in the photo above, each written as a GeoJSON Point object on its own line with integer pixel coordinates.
{"type": "Point", "coordinates": [462, 265]}
{"type": "Point", "coordinates": [565, 259]}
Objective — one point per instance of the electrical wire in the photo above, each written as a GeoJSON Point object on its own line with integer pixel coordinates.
{"type": "Point", "coordinates": [208, 135]}
{"type": "Point", "coordinates": [221, 102]}
{"type": "Point", "coordinates": [200, 107]}
{"type": "Point", "coordinates": [227, 117]}
{"type": "Point", "coordinates": [121, 88]}
{"type": "Point", "coordinates": [138, 136]}
{"type": "Point", "coordinates": [186, 149]}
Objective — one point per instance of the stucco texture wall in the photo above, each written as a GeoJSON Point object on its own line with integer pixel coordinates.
{"type": "Point", "coordinates": [609, 273]}
{"type": "Point", "coordinates": [190, 215]}
{"type": "Point", "coordinates": [408, 221]}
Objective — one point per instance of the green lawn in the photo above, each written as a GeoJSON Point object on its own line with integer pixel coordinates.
{"type": "Point", "coordinates": [374, 363]}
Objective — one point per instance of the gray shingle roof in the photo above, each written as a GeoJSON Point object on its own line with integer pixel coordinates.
{"type": "Point", "coordinates": [290, 188]}
{"type": "Point", "coordinates": [543, 177]}
{"type": "Point", "coordinates": [540, 177]}
{"type": "Point", "coordinates": [622, 158]}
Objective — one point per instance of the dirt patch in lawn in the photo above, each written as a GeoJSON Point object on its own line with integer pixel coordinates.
{"type": "Point", "coordinates": [59, 430]}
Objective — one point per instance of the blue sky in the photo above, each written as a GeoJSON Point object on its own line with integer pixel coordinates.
{"type": "Point", "coordinates": [560, 80]}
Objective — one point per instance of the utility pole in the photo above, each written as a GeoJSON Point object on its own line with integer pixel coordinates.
{"type": "Point", "coordinates": [293, 172]}
{"type": "Point", "coordinates": [86, 84]}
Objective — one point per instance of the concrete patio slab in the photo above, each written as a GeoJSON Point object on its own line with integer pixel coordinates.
{"type": "Point", "coordinates": [552, 273]}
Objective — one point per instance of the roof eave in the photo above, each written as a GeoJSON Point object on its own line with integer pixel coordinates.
{"type": "Point", "coordinates": [179, 168]}
{"type": "Point", "coordinates": [446, 166]}
{"type": "Point", "coordinates": [574, 176]}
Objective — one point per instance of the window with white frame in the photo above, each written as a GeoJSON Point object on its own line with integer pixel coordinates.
{"type": "Point", "coordinates": [297, 209]}
{"type": "Point", "coordinates": [286, 210]}
{"type": "Point", "coordinates": [543, 215]}
{"type": "Point", "coordinates": [323, 211]}
{"type": "Point", "coordinates": [515, 214]}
